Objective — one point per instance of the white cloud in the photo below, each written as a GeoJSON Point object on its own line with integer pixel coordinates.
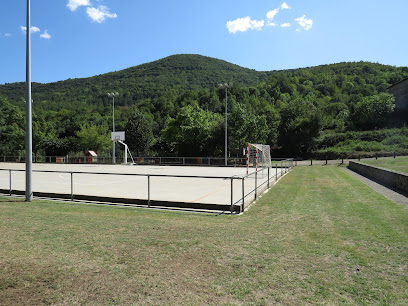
{"type": "Point", "coordinates": [99, 14]}
{"type": "Point", "coordinates": [285, 6]}
{"type": "Point", "coordinates": [45, 35]}
{"type": "Point", "coordinates": [244, 24]}
{"type": "Point", "coordinates": [74, 4]}
{"type": "Point", "coordinates": [7, 34]}
{"type": "Point", "coordinates": [32, 29]}
{"type": "Point", "coordinates": [271, 14]}
{"type": "Point", "coordinates": [305, 23]}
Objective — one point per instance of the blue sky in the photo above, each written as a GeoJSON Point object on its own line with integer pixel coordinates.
{"type": "Point", "coordinates": [83, 38]}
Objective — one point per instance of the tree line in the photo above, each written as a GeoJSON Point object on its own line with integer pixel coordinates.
{"type": "Point", "coordinates": [287, 109]}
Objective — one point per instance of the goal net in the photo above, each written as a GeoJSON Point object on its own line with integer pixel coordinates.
{"type": "Point", "coordinates": [258, 156]}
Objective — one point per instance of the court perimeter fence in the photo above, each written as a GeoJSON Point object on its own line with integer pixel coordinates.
{"type": "Point", "coordinates": [262, 180]}
{"type": "Point", "coordinates": [171, 161]}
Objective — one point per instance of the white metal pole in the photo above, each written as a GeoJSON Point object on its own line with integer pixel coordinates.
{"type": "Point", "coordinates": [29, 145]}
{"type": "Point", "coordinates": [226, 126]}
{"type": "Point", "coordinates": [113, 129]}
{"type": "Point", "coordinates": [113, 112]}
{"type": "Point", "coordinates": [126, 150]}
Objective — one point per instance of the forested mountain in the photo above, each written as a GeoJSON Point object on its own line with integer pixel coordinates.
{"type": "Point", "coordinates": [174, 107]}
{"type": "Point", "coordinates": [168, 77]}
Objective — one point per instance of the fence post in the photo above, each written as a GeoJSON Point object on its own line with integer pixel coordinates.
{"type": "Point", "coordinates": [268, 177]}
{"type": "Point", "coordinates": [276, 167]}
{"type": "Point", "coordinates": [10, 181]}
{"type": "Point", "coordinates": [148, 190]}
{"type": "Point", "coordinates": [243, 194]}
{"type": "Point", "coordinates": [281, 168]}
{"type": "Point", "coordinates": [311, 162]}
{"type": "Point", "coordinates": [72, 186]}
{"type": "Point", "coordinates": [184, 160]}
{"type": "Point", "coordinates": [232, 195]}
{"type": "Point", "coordinates": [394, 154]}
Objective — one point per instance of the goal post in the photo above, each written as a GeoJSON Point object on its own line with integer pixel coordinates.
{"type": "Point", "coordinates": [258, 156]}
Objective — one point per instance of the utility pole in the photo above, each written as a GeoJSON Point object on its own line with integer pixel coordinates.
{"type": "Point", "coordinates": [226, 86]}
{"type": "Point", "coordinates": [29, 129]}
{"type": "Point", "coordinates": [113, 95]}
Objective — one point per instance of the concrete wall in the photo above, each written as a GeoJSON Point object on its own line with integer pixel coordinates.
{"type": "Point", "coordinates": [386, 177]}
{"type": "Point", "coordinates": [400, 91]}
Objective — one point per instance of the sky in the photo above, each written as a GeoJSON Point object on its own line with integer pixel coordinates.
{"type": "Point", "coordinates": [83, 38]}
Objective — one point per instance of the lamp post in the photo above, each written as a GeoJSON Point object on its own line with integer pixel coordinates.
{"type": "Point", "coordinates": [113, 95]}
{"type": "Point", "coordinates": [226, 86]}
{"type": "Point", "coordinates": [29, 129]}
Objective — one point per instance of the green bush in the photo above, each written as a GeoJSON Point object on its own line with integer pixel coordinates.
{"type": "Point", "coordinates": [363, 144]}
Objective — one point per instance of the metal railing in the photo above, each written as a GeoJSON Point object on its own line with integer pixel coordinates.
{"type": "Point", "coordinates": [160, 160]}
{"type": "Point", "coordinates": [260, 182]}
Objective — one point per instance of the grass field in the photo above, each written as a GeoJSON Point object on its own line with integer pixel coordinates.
{"type": "Point", "coordinates": [399, 163]}
{"type": "Point", "coordinates": [319, 236]}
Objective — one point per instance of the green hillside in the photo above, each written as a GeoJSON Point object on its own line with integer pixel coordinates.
{"type": "Point", "coordinates": [169, 76]}
{"type": "Point", "coordinates": [173, 107]}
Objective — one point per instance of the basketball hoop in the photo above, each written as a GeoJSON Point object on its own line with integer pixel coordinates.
{"type": "Point", "coordinates": [116, 136]}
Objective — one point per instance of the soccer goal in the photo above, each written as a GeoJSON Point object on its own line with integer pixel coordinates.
{"type": "Point", "coordinates": [258, 156]}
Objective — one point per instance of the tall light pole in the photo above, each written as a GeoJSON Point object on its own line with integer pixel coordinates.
{"type": "Point", "coordinates": [113, 95]}
{"type": "Point", "coordinates": [226, 86]}
{"type": "Point", "coordinates": [29, 138]}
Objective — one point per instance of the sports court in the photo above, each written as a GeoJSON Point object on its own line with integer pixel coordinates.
{"type": "Point", "coordinates": [178, 184]}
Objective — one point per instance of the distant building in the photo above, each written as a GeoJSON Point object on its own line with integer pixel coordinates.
{"type": "Point", "coordinates": [400, 91]}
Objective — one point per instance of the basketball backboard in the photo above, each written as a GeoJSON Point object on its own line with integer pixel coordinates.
{"type": "Point", "coordinates": [115, 136]}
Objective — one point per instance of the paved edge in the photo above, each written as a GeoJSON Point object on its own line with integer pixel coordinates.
{"type": "Point", "coordinates": [387, 192]}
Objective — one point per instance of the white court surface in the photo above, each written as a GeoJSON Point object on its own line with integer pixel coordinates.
{"type": "Point", "coordinates": [172, 189]}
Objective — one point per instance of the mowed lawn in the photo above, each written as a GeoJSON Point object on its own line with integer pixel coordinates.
{"type": "Point", "coordinates": [400, 163]}
{"type": "Point", "coordinates": [318, 236]}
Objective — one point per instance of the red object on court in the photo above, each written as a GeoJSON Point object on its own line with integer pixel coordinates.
{"type": "Point", "coordinates": [247, 157]}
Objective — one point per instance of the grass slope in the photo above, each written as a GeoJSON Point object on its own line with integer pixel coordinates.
{"type": "Point", "coordinates": [319, 236]}
{"type": "Point", "coordinates": [399, 163]}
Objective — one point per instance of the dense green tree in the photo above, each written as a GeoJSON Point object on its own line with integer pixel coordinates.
{"type": "Point", "coordinates": [12, 129]}
{"type": "Point", "coordinates": [139, 134]}
{"type": "Point", "coordinates": [272, 117]}
{"type": "Point", "coordinates": [191, 131]}
{"type": "Point", "coordinates": [300, 123]}
{"type": "Point", "coordinates": [245, 127]}
{"type": "Point", "coordinates": [94, 137]}
{"type": "Point", "coordinates": [374, 111]}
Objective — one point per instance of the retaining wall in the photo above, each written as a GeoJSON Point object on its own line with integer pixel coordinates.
{"type": "Point", "coordinates": [386, 177]}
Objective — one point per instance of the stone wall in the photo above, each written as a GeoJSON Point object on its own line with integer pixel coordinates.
{"type": "Point", "coordinates": [400, 91]}
{"type": "Point", "coordinates": [386, 177]}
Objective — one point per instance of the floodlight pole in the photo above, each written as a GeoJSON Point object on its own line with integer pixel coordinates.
{"type": "Point", "coordinates": [226, 86]}
{"type": "Point", "coordinates": [113, 95]}
{"type": "Point", "coordinates": [29, 144]}
{"type": "Point", "coordinates": [226, 126]}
